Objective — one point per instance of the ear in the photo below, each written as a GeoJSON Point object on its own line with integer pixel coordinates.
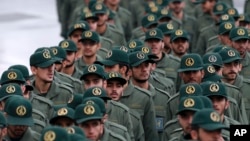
{"type": "Point", "coordinates": [104, 84]}
{"type": "Point", "coordinates": [202, 74]}
{"type": "Point", "coordinates": [194, 134]}
{"type": "Point", "coordinates": [99, 46]}
{"type": "Point", "coordinates": [227, 104]}
{"type": "Point", "coordinates": [33, 70]}
{"type": "Point", "coordinates": [240, 68]}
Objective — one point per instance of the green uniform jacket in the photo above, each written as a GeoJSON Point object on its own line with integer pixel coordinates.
{"type": "Point", "coordinates": [115, 35]}
{"type": "Point", "coordinates": [228, 121]}
{"type": "Point", "coordinates": [138, 33]}
{"type": "Point", "coordinates": [125, 17]}
{"type": "Point", "coordinates": [119, 113]}
{"type": "Point", "coordinates": [170, 65]}
{"type": "Point", "coordinates": [172, 106]}
{"type": "Point", "coordinates": [163, 83]}
{"type": "Point", "coordinates": [244, 86]}
{"type": "Point", "coordinates": [247, 7]}
{"type": "Point", "coordinates": [76, 83]}
{"type": "Point", "coordinates": [111, 136]}
{"type": "Point", "coordinates": [137, 126]}
{"type": "Point", "coordinates": [159, 97]}
{"type": "Point", "coordinates": [202, 41]}
{"type": "Point", "coordinates": [137, 9]}
{"type": "Point", "coordinates": [117, 128]}
{"type": "Point", "coordinates": [106, 43]}
{"type": "Point", "coordinates": [172, 129]}
{"type": "Point", "coordinates": [141, 101]}
{"type": "Point", "coordinates": [245, 71]}
{"type": "Point", "coordinates": [58, 93]}
{"type": "Point", "coordinates": [29, 135]}
{"type": "Point", "coordinates": [77, 73]}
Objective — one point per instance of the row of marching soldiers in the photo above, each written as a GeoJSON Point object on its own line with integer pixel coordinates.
{"type": "Point", "coordinates": [154, 87]}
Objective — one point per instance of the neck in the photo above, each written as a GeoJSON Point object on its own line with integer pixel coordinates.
{"type": "Point", "coordinates": [112, 7]}
{"type": "Point", "coordinates": [41, 86]}
{"type": "Point", "coordinates": [89, 60]}
{"type": "Point", "coordinates": [144, 85]}
{"type": "Point", "coordinates": [228, 81]}
{"type": "Point", "coordinates": [69, 70]}
{"type": "Point", "coordinates": [178, 15]}
{"type": "Point", "coordinates": [159, 56]}
{"type": "Point", "coordinates": [101, 28]}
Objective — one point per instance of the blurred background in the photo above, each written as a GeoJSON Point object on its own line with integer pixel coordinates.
{"type": "Point", "coordinates": [29, 24]}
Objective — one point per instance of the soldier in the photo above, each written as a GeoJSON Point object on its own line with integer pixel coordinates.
{"type": "Point", "coordinates": [190, 89]}
{"type": "Point", "coordinates": [42, 67]}
{"type": "Point", "coordinates": [117, 61]}
{"type": "Point", "coordinates": [91, 44]}
{"type": "Point", "coordinates": [167, 29]}
{"type": "Point", "coordinates": [201, 132]}
{"type": "Point", "coordinates": [187, 107]}
{"type": "Point", "coordinates": [140, 70]}
{"type": "Point", "coordinates": [190, 71]}
{"type": "Point", "coordinates": [63, 116]}
{"type": "Point", "coordinates": [69, 68]}
{"type": "Point", "coordinates": [103, 28]}
{"type": "Point", "coordinates": [77, 132]}
{"type": "Point", "coordinates": [148, 22]}
{"type": "Point", "coordinates": [231, 67]}
{"type": "Point", "coordinates": [216, 91]}
{"type": "Point", "coordinates": [122, 14]}
{"type": "Point", "coordinates": [75, 34]}
{"type": "Point", "coordinates": [91, 118]}
{"type": "Point", "coordinates": [233, 12]}
{"type": "Point", "coordinates": [223, 36]}
{"type": "Point", "coordinates": [19, 120]}
{"type": "Point", "coordinates": [157, 81]}
{"type": "Point", "coordinates": [54, 133]}
{"type": "Point", "coordinates": [109, 124]}
{"type": "Point", "coordinates": [244, 20]}
{"type": "Point", "coordinates": [179, 43]}
{"type": "Point", "coordinates": [239, 38]}
{"type": "Point", "coordinates": [185, 21]}
{"type": "Point", "coordinates": [167, 63]}
{"type": "Point", "coordinates": [246, 8]}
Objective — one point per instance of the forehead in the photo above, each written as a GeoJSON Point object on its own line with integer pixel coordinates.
{"type": "Point", "coordinates": [91, 77]}
{"type": "Point", "coordinates": [113, 81]}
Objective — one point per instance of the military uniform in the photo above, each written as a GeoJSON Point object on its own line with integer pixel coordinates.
{"type": "Point", "coordinates": [245, 71]}
{"type": "Point", "coordinates": [137, 126]}
{"type": "Point", "coordinates": [58, 93]}
{"type": "Point", "coordinates": [19, 112]}
{"type": "Point", "coordinates": [56, 133]}
{"type": "Point", "coordinates": [246, 8]}
{"type": "Point", "coordinates": [172, 129]}
{"type": "Point", "coordinates": [118, 129]}
{"type": "Point", "coordinates": [141, 101]}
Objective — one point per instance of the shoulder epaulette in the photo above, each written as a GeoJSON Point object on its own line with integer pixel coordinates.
{"type": "Point", "coordinates": [144, 91]}
{"type": "Point", "coordinates": [70, 77]}
{"type": "Point", "coordinates": [231, 86]}
{"type": "Point", "coordinates": [116, 31]}
{"type": "Point", "coordinates": [117, 136]}
{"type": "Point", "coordinates": [170, 122]}
{"type": "Point", "coordinates": [116, 125]}
{"type": "Point", "coordinates": [174, 58]}
{"type": "Point", "coordinates": [124, 10]}
{"type": "Point", "coordinates": [163, 92]}
{"type": "Point", "coordinates": [61, 85]}
{"type": "Point", "coordinates": [206, 28]}
{"type": "Point", "coordinates": [43, 99]}
{"type": "Point", "coordinates": [173, 97]}
{"type": "Point", "coordinates": [37, 112]}
{"type": "Point", "coordinates": [246, 80]}
{"type": "Point", "coordinates": [107, 39]}
{"type": "Point", "coordinates": [232, 121]}
{"type": "Point", "coordinates": [119, 105]}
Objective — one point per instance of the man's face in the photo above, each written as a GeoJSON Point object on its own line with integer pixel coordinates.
{"type": "Point", "coordinates": [44, 74]}
{"type": "Point", "coordinates": [141, 72]}
{"type": "Point", "coordinates": [102, 19]}
{"type": "Point", "coordinates": [166, 40]}
{"type": "Point", "coordinates": [204, 135]}
{"type": "Point", "coordinates": [90, 48]}
{"type": "Point", "coordinates": [70, 59]}
{"type": "Point", "coordinates": [230, 70]}
{"type": "Point", "coordinates": [208, 5]}
{"type": "Point", "coordinates": [92, 24]}
{"type": "Point", "coordinates": [114, 89]}
{"type": "Point", "coordinates": [59, 67]}
{"type": "Point", "coordinates": [241, 46]}
{"type": "Point", "coordinates": [180, 46]}
{"type": "Point", "coordinates": [225, 39]}
{"type": "Point", "coordinates": [64, 122]}
{"type": "Point", "coordinates": [176, 7]}
{"type": "Point", "coordinates": [192, 76]}
{"type": "Point", "coordinates": [156, 46]}
{"type": "Point", "coordinates": [185, 120]}
{"type": "Point", "coordinates": [16, 131]}
{"type": "Point", "coordinates": [93, 80]}
{"type": "Point", "coordinates": [220, 104]}
{"type": "Point", "coordinates": [76, 36]}
{"type": "Point", "coordinates": [93, 129]}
